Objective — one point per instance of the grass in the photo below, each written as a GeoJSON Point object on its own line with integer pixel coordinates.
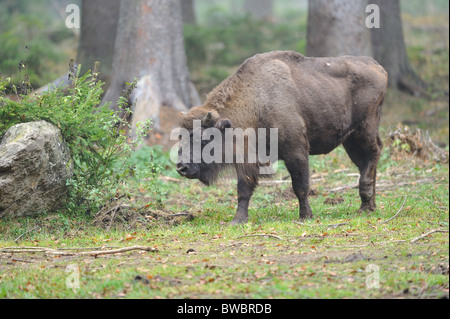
{"type": "Point", "coordinates": [206, 258]}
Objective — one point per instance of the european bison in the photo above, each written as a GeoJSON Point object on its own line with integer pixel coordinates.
{"type": "Point", "coordinates": [316, 104]}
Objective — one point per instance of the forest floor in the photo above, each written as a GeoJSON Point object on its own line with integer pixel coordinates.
{"type": "Point", "coordinates": [186, 248]}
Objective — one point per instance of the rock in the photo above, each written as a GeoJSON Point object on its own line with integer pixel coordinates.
{"type": "Point", "coordinates": [35, 164]}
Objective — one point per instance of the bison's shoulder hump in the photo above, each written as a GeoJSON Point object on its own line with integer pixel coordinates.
{"type": "Point", "coordinates": [252, 64]}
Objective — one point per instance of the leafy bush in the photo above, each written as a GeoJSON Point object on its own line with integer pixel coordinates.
{"type": "Point", "coordinates": [94, 133]}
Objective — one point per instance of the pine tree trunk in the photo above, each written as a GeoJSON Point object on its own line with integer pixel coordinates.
{"type": "Point", "coordinates": [389, 48]}
{"type": "Point", "coordinates": [150, 47]}
{"type": "Point", "coordinates": [99, 21]}
{"type": "Point", "coordinates": [337, 27]}
{"type": "Point", "coordinates": [188, 11]}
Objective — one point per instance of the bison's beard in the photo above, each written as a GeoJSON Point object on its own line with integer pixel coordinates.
{"type": "Point", "coordinates": [209, 173]}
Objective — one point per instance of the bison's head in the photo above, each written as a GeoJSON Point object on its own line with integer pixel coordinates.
{"type": "Point", "coordinates": [202, 152]}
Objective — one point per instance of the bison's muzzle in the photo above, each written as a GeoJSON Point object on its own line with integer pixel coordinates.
{"type": "Point", "coordinates": [188, 170]}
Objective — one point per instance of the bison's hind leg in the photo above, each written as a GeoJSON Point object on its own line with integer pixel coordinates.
{"type": "Point", "coordinates": [364, 148]}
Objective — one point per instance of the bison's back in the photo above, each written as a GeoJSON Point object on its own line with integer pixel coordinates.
{"type": "Point", "coordinates": [324, 98]}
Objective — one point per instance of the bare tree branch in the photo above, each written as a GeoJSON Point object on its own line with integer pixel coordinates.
{"type": "Point", "coordinates": [387, 221]}
{"type": "Point", "coordinates": [429, 233]}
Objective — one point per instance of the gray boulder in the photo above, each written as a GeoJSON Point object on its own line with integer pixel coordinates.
{"type": "Point", "coordinates": [35, 164]}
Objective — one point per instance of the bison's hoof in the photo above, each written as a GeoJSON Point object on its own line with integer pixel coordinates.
{"type": "Point", "coordinates": [304, 217]}
{"type": "Point", "coordinates": [238, 221]}
{"type": "Point", "coordinates": [367, 207]}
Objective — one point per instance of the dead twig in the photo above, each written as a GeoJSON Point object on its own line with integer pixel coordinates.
{"type": "Point", "coordinates": [342, 188]}
{"type": "Point", "coordinates": [179, 214]}
{"type": "Point", "coordinates": [108, 252]}
{"type": "Point", "coordinates": [28, 231]}
{"type": "Point", "coordinates": [113, 214]}
{"type": "Point", "coordinates": [397, 241]}
{"type": "Point", "coordinates": [170, 179]}
{"type": "Point", "coordinates": [429, 233]}
{"type": "Point", "coordinates": [86, 253]}
{"type": "Point", "coordinates": [262, 235]}
{"type": "Point", "coordinates": [22, 260]}
{"type": "Point", "coordinates": [27, 250]}
{"type": "Point", "coordinates": [369, 244]}
{"type": "Point", "coordinates": [37, 249]}
{"type": "Point", "coordinates": [381, 185]}
{"type": "Point", "coordinates": [331, 226]}
{"type": "Point", "coordinates": [274, 182]}
{"type": "Point", "coordinates": [387, 221]}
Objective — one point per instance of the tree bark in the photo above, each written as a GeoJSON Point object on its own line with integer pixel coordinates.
{"type": "Point", "coordinates": [259, 9]}
{"type": "Point", "coordinates": [150, 47]}
{"type": "Point", "coordinates": [336, 28]}
{"type": "Point", "coordinates": [389, 48]}
{"type": "Point", "coordinates": [188, 11]}
{"type": "Point", "coordinates": [99, 20]}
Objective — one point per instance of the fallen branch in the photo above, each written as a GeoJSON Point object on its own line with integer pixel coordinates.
{"type": "Point", "coordinates": [22, 260]}
{"type": "Point", "coordinates": [428, 233]}
{"type": "Point", "coordinates": [369, 244]}
{"type": "Point", "coordinates": [342, 188]}
{"type": "Point", "coordinates": [113, 214]}
{"type": "Point", "coordinates": [34, 248]}
{"type": "Point", "coordinates": [381, 185]}
{"type": "Point", "coordinates": [108, 252]}
{"type": "Point", "coordinates": [28, 231]}
{"type": "Point", "coordinates": [331, 226]}
{"type": "Point", "coordinates": [27, 250]}
{"type": "Point", "coordinates": [179, 214]}
{"type": "Point", "coordinates": [387, 221]}
{"type": "Point", "coordinates": [262, 235]}
{"type": "Point", "coordinates": [394, 241]}
{"type": "Point", "coordinates": [170, 179]}
{"type": "Point", "coordinates": [274, 182]}
{"type": "Point", "coordinates": [86, 253]}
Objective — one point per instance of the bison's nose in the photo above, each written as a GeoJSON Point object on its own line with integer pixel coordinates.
{"type": "Point", "coordinates": [182, 169]}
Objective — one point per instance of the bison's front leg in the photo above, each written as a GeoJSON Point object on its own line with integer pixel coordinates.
{"type": "Point", "coordinates": [298, 167]}
{"type": "Point", "coordinates": [245, 190]}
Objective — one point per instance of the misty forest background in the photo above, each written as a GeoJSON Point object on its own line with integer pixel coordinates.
{"type": "Point", "coordinates": [218, 37]}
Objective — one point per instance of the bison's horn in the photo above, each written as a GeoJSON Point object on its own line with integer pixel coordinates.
{"type": "Point", "coordinates": [182, 114]}
{"type": "Point", "coordinates": [208, 118]}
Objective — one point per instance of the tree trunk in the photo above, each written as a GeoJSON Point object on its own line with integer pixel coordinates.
{"type": "Point", "coordinates": [337, 27]}
{"type": "Point", "coordinates": [389, 48]}
{"type": "Point", "coordinates": [99, 19]}
{"type": "Point", "coordinates": [150, 47]}
{"type": "Point", "coordinates": [259, 9]}
{"type": "Point", "coordinates": [188, 11]}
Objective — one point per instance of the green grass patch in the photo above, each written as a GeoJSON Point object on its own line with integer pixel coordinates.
{"type": "Point", "coordinates": [270, 257]}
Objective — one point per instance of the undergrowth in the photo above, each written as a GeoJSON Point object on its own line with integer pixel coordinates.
{"type": "Point", "coordinates": [95, 134]}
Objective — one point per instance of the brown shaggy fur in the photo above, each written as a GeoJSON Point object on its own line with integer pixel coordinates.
{"type": "Point", "coordinates": [316, 104]}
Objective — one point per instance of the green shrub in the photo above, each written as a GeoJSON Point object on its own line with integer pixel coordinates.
{"type": "Point", "coordinates": [94, 133]}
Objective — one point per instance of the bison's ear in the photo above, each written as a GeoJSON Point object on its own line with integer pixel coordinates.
{"type": "Point", "coordinates": [222, 124]}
